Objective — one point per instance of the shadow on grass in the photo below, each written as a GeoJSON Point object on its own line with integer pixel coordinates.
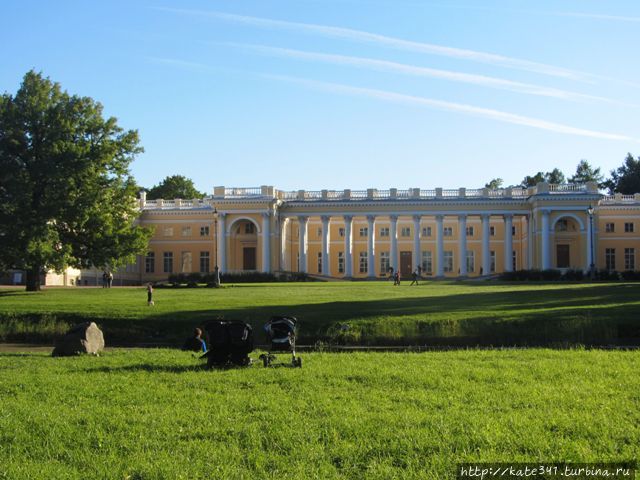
{"type": "Point", "coordinates": [605, 314]}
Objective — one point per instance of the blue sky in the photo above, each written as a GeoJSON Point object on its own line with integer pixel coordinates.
{"type": "Point", "coordinates": [339, 94]}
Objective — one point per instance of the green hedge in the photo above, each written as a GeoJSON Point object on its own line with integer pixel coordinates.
{"type": "Point", "coordinates": [568, 275]}
{"type": "Point", "coordinates": [195, 279]}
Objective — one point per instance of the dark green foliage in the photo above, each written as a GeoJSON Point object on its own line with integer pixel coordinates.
{"type": "Point", "coordinates": [555, 176]}
{"type": "Point", "coordinates": [626, 178]}
{"type": "Point", "coordinates": [66, 195]}
{"type": "Point", "coordinates": [175, 186]}
{"type": "Point", "coordinates": [494, 184]}
{"type": "Point", "coordinates": [586, 173]}
{"type": "Point", "coordinates": [534, 275]}
{"type": "Point", "coordinates": [177, 279]}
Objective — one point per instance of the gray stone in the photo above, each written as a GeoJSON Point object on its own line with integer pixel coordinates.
{"type": "Point", "coordinates": [82, 338]}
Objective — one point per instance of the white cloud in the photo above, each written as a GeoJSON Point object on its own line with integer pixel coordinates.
{"type": "Point", "coordinates": [454, 107]}
{"type": "Point", "coordinates": [387, 66]}
{"type": "Point", "coordinates": [392, 42]}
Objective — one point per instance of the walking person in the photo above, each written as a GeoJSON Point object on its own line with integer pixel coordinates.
{"type": "Point", "coordinates": [415, 276]}
{"type": "Point", "coordinates": [396, 278]}
{"type": "Point", "coordinates": [109, 279]}
{"type": "Point", "coordinates": [104, 279]}
{"type": "Point", "coordinates": [150, 294]}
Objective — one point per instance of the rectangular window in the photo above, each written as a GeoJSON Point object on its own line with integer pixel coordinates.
{"type": "Point", "coordinates": [426, 231]}
{"type": "Point", "coordinates": [629, 258]}
{"type": "Point", "coordinates": [384, 263]}
{"type": "Point", "coordinates": [186, 231]}
{"type": "Point", "coordinates": [167, 231]}
{"type": "Point", "coordinates": [448, 231]}
{"type": "Point", "coordinates": [610, 259]}
{"type": "Point", "coordinates": [448, 261]}
{"type": "Point", "coordinates": [150, 263]}
{"type": "Point", "coordinates": [492, 231]}
{"type": "Point", "coordinates": [364, 262]}
{"type": "Point", "coordinates": [384, 232]}
{"type": "Point", "coordinates": [364, 232]}
{"type": "Point", "coordinates": [204, 231]}
{"type": "Point", "coordinates": [405, 232]}
{"type": "Point", "coordinates": [628, 227]}
{"type": "Point", "coordinates": [469, 231]}
{"type": "Point", "coordinates": [471, 261]}
{"type": "Point", "coordinates": [609, 227]}
{"type": "Point", "coordinates": [492, 265]}
{"type": "Point", "coordinates": [427, 262]}
{"type": "Point", "coordinates": [513, 231]}
{"type": "Point", "coordinates": [340, 262]}
{"type": "Point", "coordinates": [186, 262]}
{"type": "Point", "coordinates": [168, 262]}
{"type": "Point", "coordinates": [204, 262]}
{"type": "Point", "coordinates": [341, 231]}
{"type": "Point", "coordinates": [319, 262]}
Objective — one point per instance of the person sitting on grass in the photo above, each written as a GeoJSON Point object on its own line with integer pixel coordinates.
{"type": "Point", "coordinates": [195, 343]}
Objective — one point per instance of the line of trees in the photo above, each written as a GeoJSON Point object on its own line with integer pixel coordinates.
{"type": "Point", "coordinates": [625, 179]}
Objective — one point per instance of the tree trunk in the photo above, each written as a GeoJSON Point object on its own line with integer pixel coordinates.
{"type": "Point", "coordinates": [33, 279]}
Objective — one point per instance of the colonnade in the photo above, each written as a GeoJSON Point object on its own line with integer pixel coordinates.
{"type": "Point", "coordinates": [347, 219]}
{"type": "Point", "coordinates": [542, 235]}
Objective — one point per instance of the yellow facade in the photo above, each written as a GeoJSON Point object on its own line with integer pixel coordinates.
{"type": "Point", "coordinates": [444, 233]}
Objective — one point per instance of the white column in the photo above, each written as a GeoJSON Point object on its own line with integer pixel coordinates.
{"type": "Point", "coordinates": [546, 264]}
{"type": "Point", "coordinates": [326, 259]}
{"type": "Point", "coordinates": [302, 242]}
{"type": "Point", "coordinates": [587, 267]}
{"type": "Point", "coordinates": [371, 242]}
{"type": "Point", "coordinates": [439, 246]}
{"type": "Point", "coordinates": [266, 242]}
{"type": "Point", "coordinates": [508, 242]}
{"type": "Point", "coordinates": [486, 249]}
{"type": "Point", "coordinates": [348, 246]}
{"type": "Point", "coordinates": [417, 256]}
{"type": "Point", "coordinates": [530, 242]}
{"type": "Point", "coordinates": [462, 244]}
{"type": "Point", "coordinates": [283, 243]}
{"type": "Point", "coordinates": [222, 242]}
{"type": "Point", "coordinates": [393, 232]}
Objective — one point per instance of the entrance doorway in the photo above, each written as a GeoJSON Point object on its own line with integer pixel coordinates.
{"type": "Point", "coordinates": [563, 257]}
{"type": "Point", "coordinates": [249, 258]}
{"type": "Point", "coordinates": [406, 264]}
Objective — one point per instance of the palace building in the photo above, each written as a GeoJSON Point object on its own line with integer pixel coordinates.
{"type": "Point", "coordinates": [364, 233]}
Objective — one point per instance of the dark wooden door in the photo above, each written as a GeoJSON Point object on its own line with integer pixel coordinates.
{"type": "Point", "coordinates": [406, 264]}
{"type": "Point", "coordinates": [249, 258]}
{"type": "Point", "coordinates": [563, 256]}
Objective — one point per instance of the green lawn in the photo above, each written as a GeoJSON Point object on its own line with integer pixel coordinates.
{"type": "Point", "coordinates": [450, 313]}
{"type": "Point", "coordinates": [156, 414]}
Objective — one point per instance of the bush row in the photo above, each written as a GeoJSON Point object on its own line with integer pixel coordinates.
{"type": "Point", "coordinates": [568, 275]}
{"type": "Point", "coordinates": [195, 279]}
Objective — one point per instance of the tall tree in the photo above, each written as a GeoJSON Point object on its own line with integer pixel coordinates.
{"type": "Point", "coordinates": [66, 195]}
{"type": "Point", "coordinates": [586, 173]}
{"type": "Point", "coordinates": [532, 181]}
{"type": "Point", "coordinates": [175, 186]}
{"type": "Point", "coordinates": [555, 176]}
{"type": "Point", "coordinates": [626, 178]}
{"type": "Point", "coordinates": [494, 184]}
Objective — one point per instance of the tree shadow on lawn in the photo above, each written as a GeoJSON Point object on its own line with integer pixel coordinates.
{"type": "Point", "coordinates": [602, 315]}
{"type": "Point", "coordinates": [148, 367]}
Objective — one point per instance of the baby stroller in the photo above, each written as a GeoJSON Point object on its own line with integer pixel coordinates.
{"type": "Point", "coordinates": [281, 334]}
{"type": "Point", "coordinates": [229, 342]}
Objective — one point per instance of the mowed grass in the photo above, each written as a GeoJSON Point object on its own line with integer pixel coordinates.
{"type": "Point", "coordinates": [369, 313]}
{"type": "Point", "coordinates": [156, 414]}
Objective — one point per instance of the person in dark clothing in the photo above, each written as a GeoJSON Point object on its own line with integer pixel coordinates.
{"type": "Point", "coordinates": [396, 278]}
{"type": "Point", "coordinates": [195, 343]}
{"type": "Point", "coordinates": [415, 277]}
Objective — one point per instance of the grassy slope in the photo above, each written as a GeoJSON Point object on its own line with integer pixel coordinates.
{"type": "Point", "coordinates": [376, 312]}
{"type": "Point", "coordinates": [154, 414]}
